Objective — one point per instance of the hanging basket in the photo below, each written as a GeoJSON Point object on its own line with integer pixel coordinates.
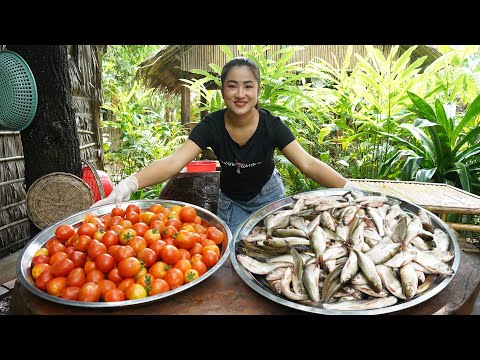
{"type": "Point", "coordinates": [18, 92]}
{"type": "Point", "coordinates": [56, 196]}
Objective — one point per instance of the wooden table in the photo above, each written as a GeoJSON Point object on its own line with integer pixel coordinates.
{"type": "Point", "coordinates": [225, 293]}
{"type": "Point", "coordinates": [441, 199]}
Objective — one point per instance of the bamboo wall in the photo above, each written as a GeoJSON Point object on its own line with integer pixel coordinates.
{"type": "Point", "coordinates": [85, 74]}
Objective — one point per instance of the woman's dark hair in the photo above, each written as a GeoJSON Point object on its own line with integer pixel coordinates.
{"type": "Point", "coordinates": [241, 61]}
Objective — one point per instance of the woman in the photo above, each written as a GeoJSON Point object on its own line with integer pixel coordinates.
{"type": "Point", "coordinates": [244, 139]}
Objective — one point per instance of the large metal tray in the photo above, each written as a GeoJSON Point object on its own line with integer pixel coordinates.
{"type": "Point", "coordinates": [25, 259]}
{"type": "Point", "coordinates": [257, 282]}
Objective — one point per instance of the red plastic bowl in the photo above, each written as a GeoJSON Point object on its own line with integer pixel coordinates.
{"type": "Point", "coordinates": [202, 166]}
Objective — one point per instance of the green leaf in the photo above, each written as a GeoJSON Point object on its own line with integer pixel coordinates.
{"type": "Point", "coordinates": [425, 175]}
{"type": "Point", "coordinates": [472, 111]}
{"type": "Point", "coordinates": [422, 105]}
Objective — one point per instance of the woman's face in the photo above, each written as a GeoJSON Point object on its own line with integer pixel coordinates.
{"type": "Point", "coordinates": [240, 90]}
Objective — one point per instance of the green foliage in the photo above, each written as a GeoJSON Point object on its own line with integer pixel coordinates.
{"type": "Point", "coordinates": [440, 145]}
{"type": "Point", "coordinates": [141, 117]}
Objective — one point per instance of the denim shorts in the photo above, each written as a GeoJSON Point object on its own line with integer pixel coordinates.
{"type": "Point", "coordinates": [234, 212]}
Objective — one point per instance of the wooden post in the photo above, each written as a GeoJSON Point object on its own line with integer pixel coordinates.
{"type": "Point", "coordinates": [185, 106]}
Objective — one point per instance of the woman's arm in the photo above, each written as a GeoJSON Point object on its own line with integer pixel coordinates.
{"type": "Point", "coordinates": [163, 169]}
{"type": "Point", "coordinates": [315, 169]}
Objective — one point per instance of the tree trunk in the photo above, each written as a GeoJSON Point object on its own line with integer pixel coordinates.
{"type": "Point", "coordinates": [50, 142]}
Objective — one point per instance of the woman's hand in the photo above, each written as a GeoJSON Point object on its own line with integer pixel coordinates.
{"type": "Point", "coordinates": [120, 193]}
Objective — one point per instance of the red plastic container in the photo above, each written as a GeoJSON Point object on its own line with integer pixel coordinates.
{"type": "Point", "coordinates": [202, 166]}
{"type": "Point", "coordinates": [104, 179]}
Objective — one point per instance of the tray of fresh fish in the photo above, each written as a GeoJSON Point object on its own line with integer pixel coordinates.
{"type": "Point", "coordinates": [339, 251]}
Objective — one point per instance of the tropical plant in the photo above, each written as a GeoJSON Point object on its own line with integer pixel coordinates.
{"type": "Point", "coordinates": [440, 145]}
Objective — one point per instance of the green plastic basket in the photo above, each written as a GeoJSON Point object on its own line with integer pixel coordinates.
{"type": "Point", "coordinates": [18, 92]}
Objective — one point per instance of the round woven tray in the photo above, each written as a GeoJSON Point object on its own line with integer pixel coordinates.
{"type": "Point", "coordinates": [56, 196]}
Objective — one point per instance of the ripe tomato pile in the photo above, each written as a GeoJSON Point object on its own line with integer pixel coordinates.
{"type": "Point", "coordinates": [127, 254]}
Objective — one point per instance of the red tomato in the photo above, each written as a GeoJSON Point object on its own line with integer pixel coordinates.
{"type": "Point", "coordinates": [57, 256]}
{"type": "Point", "coordinates": [133, 217]}
{"type": "Point", "coordinates": [50, 242]}
{"type": "Point", "coordinates": [156, 246]}
{"type": "Point", "coordinates": [148, 256]}
{"type": "Point", "coordinates": [89, 292]}
{"type": "Point", "coordinates": [125, 283]}
{"type": "Point", "coordinates": [200, 267]}
{"type": "Point", "coordinates": [70, 293]}
{"type": "Point", "coordinates": [82, 243]}
{"type": "Point", "coordinates": [184, 239]}
{"type": "Point", "coordinates": [117, 228]}
{"type": "Point", "coordinates": [159, 269]}
{"type": "Point", "coordinates": [62, 267]}
{"type": "Point", "coordinates": [138, 243]}
{"type": "Point", "coordinates": [114, 295]}
{"type": "Point", "coordinates": [213, 248]}
{"type": "Point", "coordinates": [104, 286]}
{"type": "Point", "coordinates": [175, 223]}
{"type": "Point", "coordinates": [42, 280]}
{"type": "Point", "coordinates": [78, 258]}
{"type": "Point", "coordinates": [124, 252]}
{"type": "Point", "coordinates": [56, 247]}
{"type": "Point", "coordinates": [157, 224]}
{"type": "Point", "coordinates": [96, 248]}
{"type": "Point", "coordinates": [39, 268]}
{"type": "Point", "coordinates": [169, 231]}
{"type": "Point", "coordinates": [170, 254]}
{"type": "Point", "coordinates": [214, 234]}
{"type": "Point", "coordinates": [110, 238]}
{"type": "Point", "coordinates": [152, 234]}
{"type": "Point", "coordinates": [140, 228]}
{"type": "Point", "coordinates": [87, 229]}
{"type": "Point", "coordinates": [118, 211]}
{"type": "Point", "coordinates": [64, 232]}
{"type": "Point", "coordinates": [76, 277]}
{"type": "Point", "coordinates": [210, 258]}
{"type": "Point", "coordinates": [115, 276]}
{"type": "Point", "coordinates": [184, 254]}
{"type": "Point", "coordinates": [158, 286]}
{"type": "Point", "coordinates": [89, 266]}
{"type": "Point", "coordinates": [174, 277]}
{"type": "Point", "coordinates": [183, 265]}
{"type": "Point", "coordinates": [133, 207]}
{"type": "Point", "coordinates": [129, 267]}
{"type": "Point", "coordinates": [195, 249]}
{"type": "Point", "coordinates": [114, 220]}
{"type": "Point", "coordinates": [94, 276]}
{"type": "Point", "coordinates": [39, 259]}
{"type": "Point", "coordinates": [188, 214]}
{"type": "Point", "coordinates": [104, 262]}
{"type": "Point", "coordinates": [56, 285]}
{"type": "Point", "coordinates": [156, 209]}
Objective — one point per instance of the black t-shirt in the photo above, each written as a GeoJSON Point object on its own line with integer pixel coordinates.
{"type": "Point", "coordinates": [244, 169]}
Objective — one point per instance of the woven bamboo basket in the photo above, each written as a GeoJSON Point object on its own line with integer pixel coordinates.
{"type": "Point", "coordinates": [56, 196]}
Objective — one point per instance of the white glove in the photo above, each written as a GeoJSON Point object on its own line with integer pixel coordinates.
{"type": "Point", "coordinates": [121, 192]}
{"type": "Point", "coordinates": [349, 185]}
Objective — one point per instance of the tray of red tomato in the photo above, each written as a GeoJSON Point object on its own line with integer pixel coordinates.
{"type": "Point", "coordinates": [111, 256]}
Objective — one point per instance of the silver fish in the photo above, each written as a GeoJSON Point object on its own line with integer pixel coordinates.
{"type": "Point", "coordinates": [409, 280]}
{"type": "Point", "coordinates": [390, 281]}
{"type": "Point", "coordinates": [311, 277]}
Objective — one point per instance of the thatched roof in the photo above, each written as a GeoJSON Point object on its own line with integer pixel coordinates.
{"type": "Point", "coordinates": [164, 69]}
